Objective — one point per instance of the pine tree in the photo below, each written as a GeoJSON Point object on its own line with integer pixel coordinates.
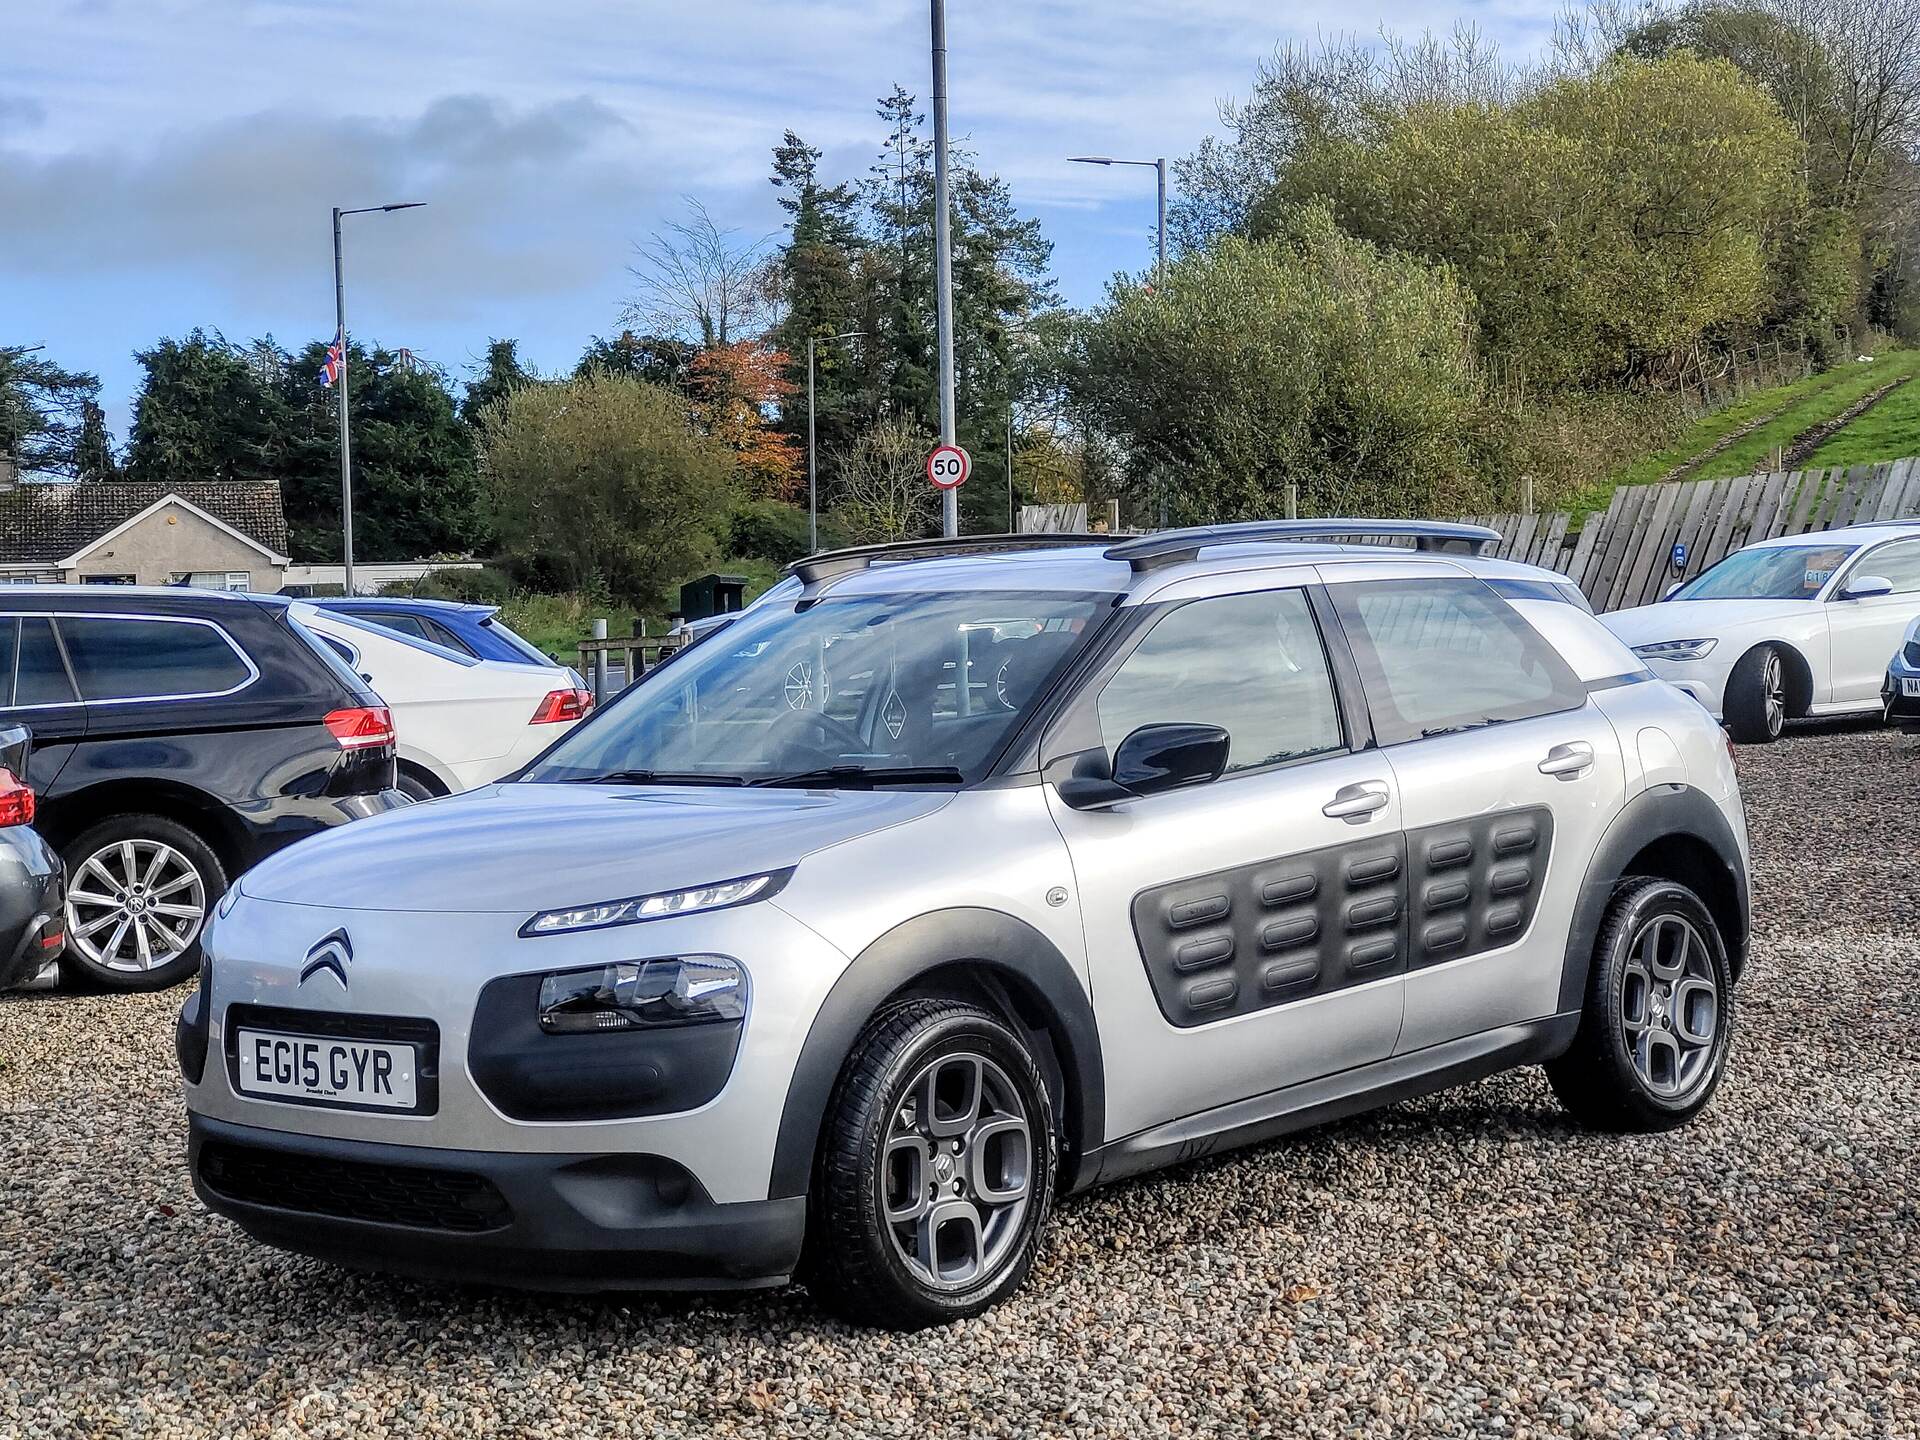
{"type": "Point", "coordinates": [93, 450]}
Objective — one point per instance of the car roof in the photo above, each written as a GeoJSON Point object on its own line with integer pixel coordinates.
{"type": "Point", "coordinates": [1089, 569]}
{"type": "Point", "coordinates": [1846, 534]}
{"type": "Point", "coordinates": [132, 597]}
{"type": "Point", "coordinates": [419, 603]}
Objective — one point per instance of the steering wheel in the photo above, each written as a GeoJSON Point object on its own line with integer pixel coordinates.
{"type": "Point", "coordinates": [831, 737]}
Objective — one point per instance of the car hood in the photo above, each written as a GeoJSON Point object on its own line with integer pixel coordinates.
{"type": "Point", "coordinates": [526, 847]}
{"type": "Point", "coordinates": [1694, 619]}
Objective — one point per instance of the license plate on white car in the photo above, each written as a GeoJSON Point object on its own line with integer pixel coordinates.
{"type": "Point", "coordinates": [325, 1071]}
{"type": "Point", "coordinates": [1910, 687]}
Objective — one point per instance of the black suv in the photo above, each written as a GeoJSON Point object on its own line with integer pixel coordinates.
{"type": "Point", "coordinates": [178, 737]}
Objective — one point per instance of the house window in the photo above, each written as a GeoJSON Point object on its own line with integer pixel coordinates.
{"type": "Point", "coordinates": [213, 579]}
{"type": "Point", "coordinates": [106, 579]}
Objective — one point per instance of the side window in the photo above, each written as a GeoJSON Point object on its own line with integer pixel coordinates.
{"type": "Point", "coordinates": [9, 649]}
{"type": "Point", "coordinates": [399, 621]}
{"type": "Point", "coordinates": [125, 659]}
{"type": "Point", "coordinates": [1444, 655]}
{"type": "Point", "coordinates": [1252, 664]}
{"type": "Point", "coordinates": [1898, 562]}
{"type": "Point", "coordinates": [42, 676]}
{"type": "Point", "coordinates": [441, 635]}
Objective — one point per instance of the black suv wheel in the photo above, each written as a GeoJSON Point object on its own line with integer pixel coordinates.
{"type": "Point", "coordinates": [1658, 1016]}
{"type": "Point", "coordinates": [936, 1169]}
{"type": "Point", "coordinates": [139, 889]}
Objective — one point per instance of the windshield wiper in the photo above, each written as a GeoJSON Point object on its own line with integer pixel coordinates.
{"type": "Point", "coordinates": [868, 775]}
{"type": "Point", "coordinates": [655, 777]}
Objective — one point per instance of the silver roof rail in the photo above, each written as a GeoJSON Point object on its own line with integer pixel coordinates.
{"type": "Point", "coordinates": [832, 564]}
{"type": "Point", "coordinates": [1171, 547]}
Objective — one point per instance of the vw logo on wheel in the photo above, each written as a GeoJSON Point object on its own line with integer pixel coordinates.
{"type": "Point", "coordinates": [332, 953]}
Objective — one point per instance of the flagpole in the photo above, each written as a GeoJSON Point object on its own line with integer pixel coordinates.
{"type": "Point", "coordinates": [346, 459]}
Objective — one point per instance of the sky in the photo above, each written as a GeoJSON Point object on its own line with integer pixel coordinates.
{"type": "Point", "coordinates": [172, 163]}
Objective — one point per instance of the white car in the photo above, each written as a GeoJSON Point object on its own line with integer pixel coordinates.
{"type": "Point", "coordinates": [1799, 626]}
{"type": "Point", "coordinates": [460, 722]}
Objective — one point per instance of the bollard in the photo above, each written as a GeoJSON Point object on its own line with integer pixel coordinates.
{"type": "Point", "coordinates": [599, 664]}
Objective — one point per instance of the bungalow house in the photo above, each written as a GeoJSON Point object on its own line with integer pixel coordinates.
{"type": "Point", "coordinates": [224, 535]}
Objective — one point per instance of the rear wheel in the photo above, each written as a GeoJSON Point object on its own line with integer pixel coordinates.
{"type": "Point", "coordinates": [936, 1169]}
{"type": "Point", "coordinates": [1658, 1017]}
{"type": "Point", "coordinates": [1756, 700]}
{"type": "Point", "coordinates": [138, 891]}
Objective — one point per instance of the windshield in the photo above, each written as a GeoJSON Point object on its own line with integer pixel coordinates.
{"type": "Point", "coordinates": [1768, 572]}
{"type": "Point", "coordinates": [851, 690]}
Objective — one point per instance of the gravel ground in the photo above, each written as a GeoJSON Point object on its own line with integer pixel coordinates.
{"type": "Point", "coordinates": [1463, 1265]}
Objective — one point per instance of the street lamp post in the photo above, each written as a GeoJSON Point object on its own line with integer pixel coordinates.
{"type": "Point", "coordinates": [1160, 171]}
{"type": "Point", "coordinates": [943, 258]}
{"type": "Point", "coordinates": [813, 475]}
{"type": "Point", "coordinates": [340, 314]}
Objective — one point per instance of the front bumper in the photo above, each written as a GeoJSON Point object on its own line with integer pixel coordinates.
{"type": "Point", "coordinates": [558, 1222]}
{"type": "Point", "coordinates": [1902, 709]}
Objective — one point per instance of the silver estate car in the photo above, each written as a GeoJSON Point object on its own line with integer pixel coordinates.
{"type": "Point", "coordinates": [962, 875]}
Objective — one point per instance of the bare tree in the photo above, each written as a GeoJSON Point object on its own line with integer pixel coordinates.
{"type": "Point", "coordinates": [696, 281]}
{"type": "Point", "coordinates": [884, 490]}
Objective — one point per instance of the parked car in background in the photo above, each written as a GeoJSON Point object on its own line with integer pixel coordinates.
{"type": "Point", "coordinates": [459, 721]}
{"type": "Point", "coordinates": [179, 735]}
{"type": "Point", "coordinates": [33, 927]}
{"type": "Point", "coordinates": [814, 955]}
{"type": "Point", "coordinates": [475, 630]}
{"type": "Point", "coordinates": [1900, 691]}
{"type": "Point", "coordinates": [1797, 626]}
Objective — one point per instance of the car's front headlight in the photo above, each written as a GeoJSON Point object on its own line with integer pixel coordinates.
{"type": "Point", "coordinates": [629, 994]}
{"type": "Point", "coordinates": [1676, 650]}
{"type": "Point", "coordinates": [635, 908]}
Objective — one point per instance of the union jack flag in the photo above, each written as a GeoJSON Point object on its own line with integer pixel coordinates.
{"type": "Point", "coordinates": [336, 361]}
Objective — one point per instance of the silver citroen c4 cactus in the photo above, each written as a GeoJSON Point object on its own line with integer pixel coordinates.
{"type": "Point", "coordinates": [952, 877]}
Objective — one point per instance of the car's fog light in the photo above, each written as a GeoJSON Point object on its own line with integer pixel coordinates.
{"type": "Point", "coordinates": [683, 990]}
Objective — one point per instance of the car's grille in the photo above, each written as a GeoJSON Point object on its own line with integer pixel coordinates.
{"type": "Point", "coordinates": [354, 1189]}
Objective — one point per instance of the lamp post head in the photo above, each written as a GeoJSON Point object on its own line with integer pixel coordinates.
{"type": "Point", "coordinates": [1090, 159]}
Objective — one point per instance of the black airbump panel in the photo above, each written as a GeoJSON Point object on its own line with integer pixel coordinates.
{"type": "Point", "coordinates": [1275, 932]}
{"type": "Point", "coordinates": [1476, 883]}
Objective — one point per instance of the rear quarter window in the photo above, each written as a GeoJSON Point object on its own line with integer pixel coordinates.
{"type": "Point", "coordinates": [126, 658]}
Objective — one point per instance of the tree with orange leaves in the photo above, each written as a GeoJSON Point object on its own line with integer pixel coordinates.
{"type": "Point", "coordinates": [738, 391]}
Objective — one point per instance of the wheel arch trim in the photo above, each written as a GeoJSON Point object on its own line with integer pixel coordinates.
{"type": "Point", "coordinates": [1006, 949]}
{"type": "Point", "coordinates": [1665, 813]}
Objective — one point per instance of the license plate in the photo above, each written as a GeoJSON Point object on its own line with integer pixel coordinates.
{"type": "Point", "coordinates": [325, 1071]}
{"type": "Point", "coordinates": [1910, 687]}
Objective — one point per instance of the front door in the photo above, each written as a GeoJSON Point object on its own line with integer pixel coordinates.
{"type": "Point", "coordinates": [1246, 934]}
{"type": "Point", "coordinates": [1862, 635]}
{"type": "Point", "coordinates": [1508, 776]}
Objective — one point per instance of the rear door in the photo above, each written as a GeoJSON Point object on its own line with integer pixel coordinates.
{"type": "Point", "coordinates": [38, 692]}
{"type": "Point", "coordinates": [1247, 934]}
{"type": "Point", "coordinates": [1863, 634]}
{"type": "Point", "coordinates": [1508, 775]}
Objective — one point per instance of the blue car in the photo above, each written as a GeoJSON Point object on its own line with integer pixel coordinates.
{"type": "Point", "coordinates": [475, 630]}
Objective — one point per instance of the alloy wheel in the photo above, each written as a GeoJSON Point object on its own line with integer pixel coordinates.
{"type": "Point", "coordinates": [957, 1173]}
{"type": "Point", "coordinates": [135, 905]}
{"type": "Point", "coordinates": [1773, 682]}
{"type": "Point", "coordinates": [1670, 1007]}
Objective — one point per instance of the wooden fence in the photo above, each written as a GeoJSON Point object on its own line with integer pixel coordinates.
{"type": "Point", "coordinates": [1621, 558]}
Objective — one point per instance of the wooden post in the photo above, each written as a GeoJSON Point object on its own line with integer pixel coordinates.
{"type": "Point", "coordinates": [1293, 500]}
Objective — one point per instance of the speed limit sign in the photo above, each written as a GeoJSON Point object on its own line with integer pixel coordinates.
{"type": "Point", "coordinates": [948, 467]}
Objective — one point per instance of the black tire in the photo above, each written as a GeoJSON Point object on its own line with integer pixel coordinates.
{"type": "Point", "coordinates": [1756, 699]}
{"type": "Point", "coordinates": [1608, 1079]}
{"type": "Point", "coordinates": [414, 788]}
{"type": "Point", "coordinates": [856, 1266]}
{"type": "Point", "coordinates": [142, 832]}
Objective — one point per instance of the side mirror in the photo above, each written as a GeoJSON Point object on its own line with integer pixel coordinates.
{"type": "Point", "coordinates": [1170, 757]}
{"type": "Point", "coordinates": [1865, 587]}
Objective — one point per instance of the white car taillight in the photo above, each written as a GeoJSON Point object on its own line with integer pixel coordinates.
{"type": "Point", "coordinates": [559, 705]}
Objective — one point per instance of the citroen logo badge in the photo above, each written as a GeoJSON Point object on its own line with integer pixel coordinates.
{"type": "Point", "coordinates": [332, 953]}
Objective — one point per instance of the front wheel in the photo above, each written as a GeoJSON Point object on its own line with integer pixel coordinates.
{"type": "Point", "coordinates": [138, 891]}
{"type": "Point", "coordinates": [936, 1169]}
{"type": "Point", "coordinates": [1756, 700]}
{"type": "Point", "coordinates": [1658, 1017]}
